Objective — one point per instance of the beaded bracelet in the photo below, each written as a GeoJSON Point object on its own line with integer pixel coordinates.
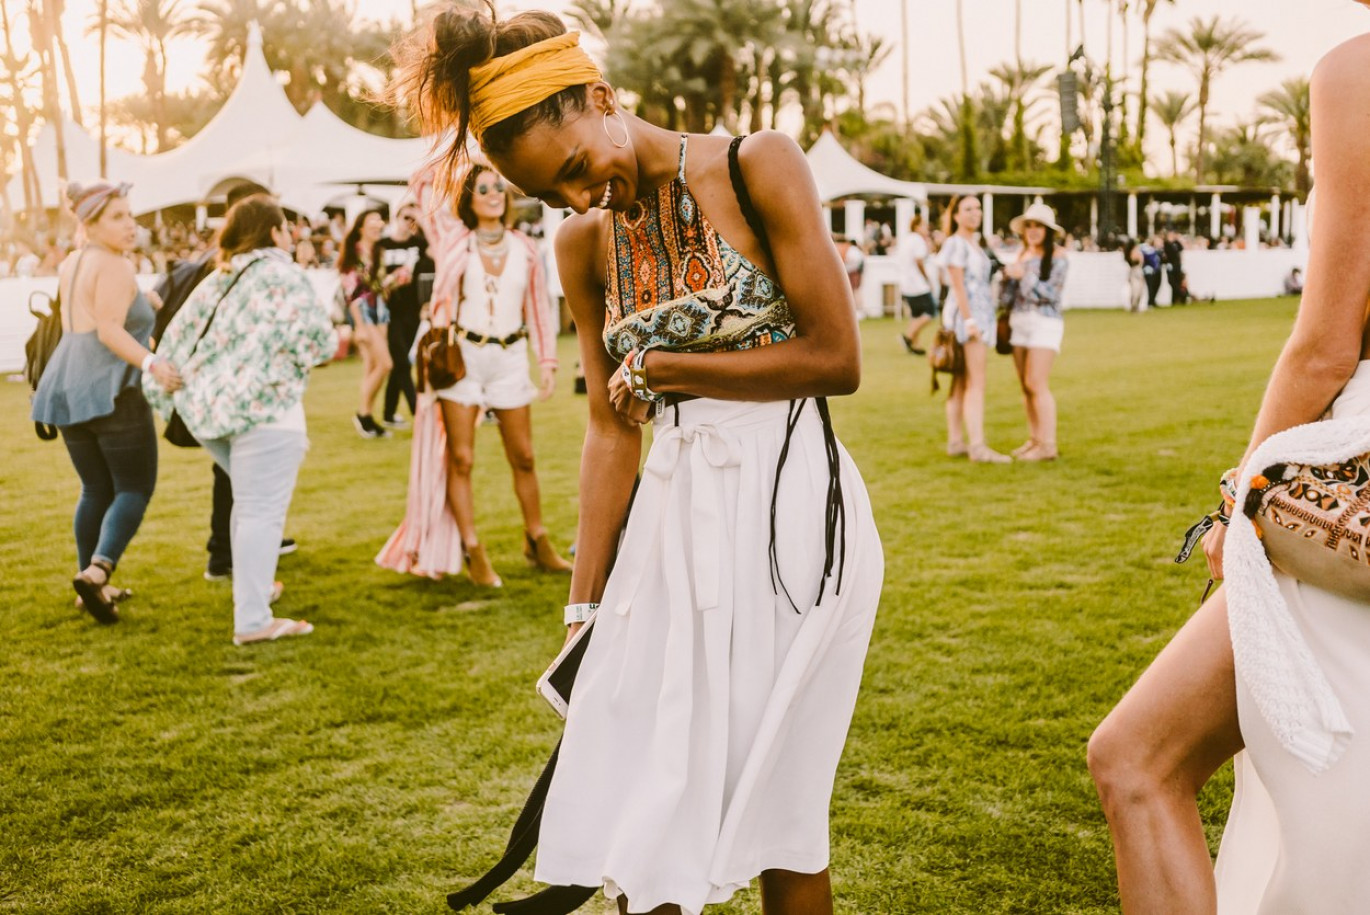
{"type": "Point", "coordinates": [635, 376]}
{"type": "Point", "coordinates": [579, 613]}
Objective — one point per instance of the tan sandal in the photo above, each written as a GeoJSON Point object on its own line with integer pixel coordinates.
{"type": "Point", "coordinates": [1024, 448]}
{"type": "Point", "coordinates": [984, 454]}
{"type": "Point", "coordinates": [957, 449]}
{"type": "Point", "coordinates": [278, 628]}
{"type": "Point", "coordinates": [92, 592]}
{"type": "Point", "coordinates": [1042, 451]}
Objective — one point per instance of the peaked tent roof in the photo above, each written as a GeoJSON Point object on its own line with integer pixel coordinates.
{"type": "Point", "coordinates": [256, 115]}
{"type": "Point", "coordinates": [840, 175]}
{"type": "Point", "coordinates": [83, 164]}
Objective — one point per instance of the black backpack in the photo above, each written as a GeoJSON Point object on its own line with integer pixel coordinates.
{"type": "Point", "coordinates": [40, 347]}
{"type": "Point", "coordinates": [180, 281]}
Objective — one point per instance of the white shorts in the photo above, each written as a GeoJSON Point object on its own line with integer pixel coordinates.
{"type": "Point", "coordinates": [1034, 330]}
{"type": "Point", "coordinates": [496, 377]}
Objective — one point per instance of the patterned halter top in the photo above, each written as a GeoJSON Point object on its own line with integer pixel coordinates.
{"type": "Point", "coordinates": [675, 284]}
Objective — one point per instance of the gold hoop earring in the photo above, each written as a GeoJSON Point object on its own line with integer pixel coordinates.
{"type": "Point", "coordinates": [616, 143]}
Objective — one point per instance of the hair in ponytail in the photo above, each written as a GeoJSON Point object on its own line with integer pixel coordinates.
{"type": "Point", "coordinates": [434, 79]}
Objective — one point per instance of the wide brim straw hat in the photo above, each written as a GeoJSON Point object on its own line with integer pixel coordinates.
{"type": "Point", "coordinates": [1038, 213]}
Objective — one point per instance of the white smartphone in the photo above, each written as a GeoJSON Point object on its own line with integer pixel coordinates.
{"type": "Point", "coordinates": [556, 683]}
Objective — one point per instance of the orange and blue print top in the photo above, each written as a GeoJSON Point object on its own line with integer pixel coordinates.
{"type": "Point", "coordinates": [675, 284]}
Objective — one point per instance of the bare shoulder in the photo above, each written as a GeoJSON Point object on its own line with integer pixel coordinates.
{"type": "Point", "coordinates": [111, 267]}
{"type": "Point", "coordinates": [1343, 67]}
{"type": "Point", "coordinates": [771, 160]}
{"type": "Point", "coordinates": [580, 239]}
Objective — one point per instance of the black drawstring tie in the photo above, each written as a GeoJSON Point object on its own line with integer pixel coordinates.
{"type": "Point", "coordinates": [835, 508]}
{"type": "Point", "coordinates": [555, 900]}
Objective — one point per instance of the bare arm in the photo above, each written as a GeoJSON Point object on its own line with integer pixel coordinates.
{"type": "Point", "coordinates": [1329, 332]}
{"type": "Point", "coordinates": [825, 355]}
{"type": "Point", "coordinates": [613, 445]}
{"type": "Point", "coordinates": [111, 290]}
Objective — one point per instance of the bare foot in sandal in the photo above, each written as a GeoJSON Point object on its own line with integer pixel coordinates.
{"type": "Point", "coordinates": [278, 628]}
{"type": "Point", "coordinates": [90, 586]}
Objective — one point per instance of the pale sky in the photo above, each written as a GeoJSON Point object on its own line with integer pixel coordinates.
{"type": "Point", "coordinates": [1300, 31]}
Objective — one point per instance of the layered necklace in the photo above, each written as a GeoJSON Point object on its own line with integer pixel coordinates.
{"type": "Point", "coordinates": [493, 245]}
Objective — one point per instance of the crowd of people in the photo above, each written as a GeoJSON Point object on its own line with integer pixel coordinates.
{"type": "Point", "coordinates": [732, 584]}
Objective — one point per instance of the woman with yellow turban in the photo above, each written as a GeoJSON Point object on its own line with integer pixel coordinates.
{"type": "Point", "coordinates": [733, 601]}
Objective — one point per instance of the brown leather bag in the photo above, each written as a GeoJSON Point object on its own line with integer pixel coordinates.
{"type": "Point", "coordinates": [946, 355]}
{"type": "Point", "coordinates": [440, 362]}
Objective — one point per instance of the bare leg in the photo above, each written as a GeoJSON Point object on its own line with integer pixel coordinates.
{"type": "Point", "coordinates": [460, 421]}
{"type": "Point", "coordinates": [916, 326]}
{"type": "Point", "coordinates": [1020, 366]}
{"type": "Point", "coordinates": [1042, 403]}
{"type": "Point", "coordinates": [371, 342]}
{"type": "Point", "coordinates": [790, 893]}
{"type": "Point", "coordinates": [956, 401]}
{"type": "Point", "coordinates": [974, 408]}
{"type": "Point", "coordinates": [516, 429]}
{"type": "Point", "coordinates": [1151, 756]}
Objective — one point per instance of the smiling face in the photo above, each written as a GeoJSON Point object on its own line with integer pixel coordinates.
{"type": "Point", "coordinates": [1034, 234]}
{"type": "Point", "coordinates": [575, 164]}
{"type": "Point", "coordinates": [114, 228]}
{"type": "Point", "coordinates": [372, 227]}
{"type": "Point", "coordinates": [968, 214]}
{"type": "Point", "coordinates": [489, 198]}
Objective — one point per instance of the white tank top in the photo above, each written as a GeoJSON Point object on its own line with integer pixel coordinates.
{"type": "Point", "coordinates": [493, 305]}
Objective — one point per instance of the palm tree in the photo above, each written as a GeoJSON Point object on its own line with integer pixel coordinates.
{"type": "Point", "coordinates": [868, 53]}
{"type": "Point", "coordinates": [152, 24]}
{"type": "Point", "coordinates": [598, 17]}
{"type": "Point", "coordinates": [1019, 80]}
{"type": "Point", "coordinates": [41, 37]}
{"type": "Point", "coordinates": [1148, 7]}
{"type": "Point", "coordinates": [1172, 108]}
{"type": "Point", "coordinates": [226, 23]}
{"type": "Point", "coordinates": [1207, 49]}
{"type": "Point", "coordinates": [53, 10]}
{"type": "Point", "coordinates": [1290, 104]}
{"type": "Point", "coordinates": [19, 77]}
{"type": "Point", "coordinates": [969, 156]}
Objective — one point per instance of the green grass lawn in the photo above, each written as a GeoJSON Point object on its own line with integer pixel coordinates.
{"type": "Point", "coordinates": [378, 764]}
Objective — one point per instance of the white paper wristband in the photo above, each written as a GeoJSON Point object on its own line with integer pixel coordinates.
{"type": "Point", "coordinates": [148, 360]}
{"type": "Point", "coordinates": [579, 613]}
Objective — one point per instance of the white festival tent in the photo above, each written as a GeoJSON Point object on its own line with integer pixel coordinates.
{"type": "Point", "coordinates": [257, 135]}
{"type": "Point", "coordinates": [840, 175]}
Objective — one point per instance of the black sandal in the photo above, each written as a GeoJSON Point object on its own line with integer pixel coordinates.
{"type": "Point", "coordinates": [92, 594]}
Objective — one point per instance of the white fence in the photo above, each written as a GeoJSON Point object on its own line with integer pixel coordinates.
{"type": "Point", "coordinates": [16, 323]}
{"type": "Point", "coordinates": [1095, 281]}
{"type": "Point", "coordinates": [1099, 280]}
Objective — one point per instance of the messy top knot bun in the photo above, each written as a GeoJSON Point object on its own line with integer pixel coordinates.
{"type": "Point", "coordinates": [434, 66]}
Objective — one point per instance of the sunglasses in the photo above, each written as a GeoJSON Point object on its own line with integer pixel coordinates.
{"type": "Point", "coordinates": [482, 188]}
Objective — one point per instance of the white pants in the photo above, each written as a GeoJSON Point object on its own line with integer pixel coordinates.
{"type": "Point", "coordinates": [263, 464]}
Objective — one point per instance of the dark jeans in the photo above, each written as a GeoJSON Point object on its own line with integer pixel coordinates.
{"type": "Point", "coordinates": [400, 337]}
{"type": "Point", "coordinates": [219, 546]}
{"type": "Point", "coordinates": [1178, 296]}
{"type": "Point", "coordinates": [1153, 286]}
{"type": "Point", "coordinates": [116, 458]}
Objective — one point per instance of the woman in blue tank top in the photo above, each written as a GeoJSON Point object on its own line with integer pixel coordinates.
{"type": "Point", "coordinates": [90, 390]}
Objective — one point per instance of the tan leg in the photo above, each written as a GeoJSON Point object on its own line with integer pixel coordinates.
{"type": "Point", "coordinates": [790, 893]}
{"type": "Point", "coordinates": [1151, 756]}
{"type": "Point", "coordinates": [460, 421]}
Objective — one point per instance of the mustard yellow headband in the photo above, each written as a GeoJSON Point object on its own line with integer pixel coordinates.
{"type": "Point", "coordinates": [515, 82]}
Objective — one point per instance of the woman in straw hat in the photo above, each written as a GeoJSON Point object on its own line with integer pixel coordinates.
{"type": "Point", "coordinates": [714, 698]}
{"type": "Point", "coordinates": [1032, 293]}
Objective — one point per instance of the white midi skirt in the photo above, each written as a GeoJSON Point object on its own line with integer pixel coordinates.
{"type": "Point", "coordinates": [709, 712]}
{"type": "Point", "coordinates": [1297, 843]}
